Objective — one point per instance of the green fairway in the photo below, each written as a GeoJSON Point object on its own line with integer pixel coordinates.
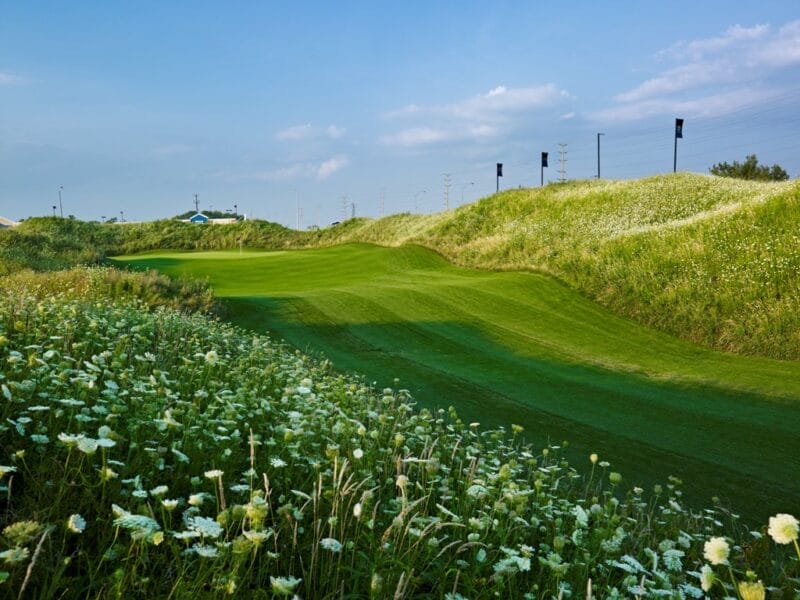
{"type": "Point", "coordinates": [508, 347]}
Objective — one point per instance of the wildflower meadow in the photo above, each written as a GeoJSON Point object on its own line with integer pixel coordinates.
{"type": "Point", "coordinates": [151, 453]}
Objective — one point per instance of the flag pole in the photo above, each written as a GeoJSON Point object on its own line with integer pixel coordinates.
{"type": "Point", "coordinates": [544, 164]}
{"type": "Point", "coordinates": [678, 134]}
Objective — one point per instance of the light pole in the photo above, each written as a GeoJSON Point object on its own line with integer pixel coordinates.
{"type": "Point", "coordinates": [463, 185]}
{"type": "Point", "coordinates": [416, 208]}
{"type": "Point", "coordinates": [54, 210]}
{"type": "Point", "coordinates": [60, 206]}
{"type": "Point", "coordinates": [598, 154]}
{"type": "Point", "coordinates": [121, 217]}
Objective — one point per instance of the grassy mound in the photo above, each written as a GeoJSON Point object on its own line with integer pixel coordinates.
{"type": "Point", "coordinates": [711, 260]}
{"type": "Point", "coordinates": [48, 243]}
{"type": "Point", "coordinates": [148, 454]}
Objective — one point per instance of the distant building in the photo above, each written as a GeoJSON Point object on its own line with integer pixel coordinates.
{"type": "Point", "coordinates": [199, 219]}
{"type": "Point", "coordinates": [6, 223]}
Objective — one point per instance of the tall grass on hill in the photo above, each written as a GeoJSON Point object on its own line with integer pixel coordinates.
{"type": "Point", "coordinates": [149, 289]}
{"type": "Point", "coordinates": [186, 236]}
{"type": "Point", "coordinates": [51, 243]}
{"type": "Point", "coordinates": [48, 243]}
{"type": "Point", "coordinates": [159, 454]}
{"type": "Point", "coordinates": [709, 259]}
{"type": "Point", "coordinates": [712, 260]}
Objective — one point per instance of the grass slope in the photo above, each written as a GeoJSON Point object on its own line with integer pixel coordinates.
{"type": "Point", "coordinates": [519, 347]}
{"type": "Point", "coordinates": [712, 260]}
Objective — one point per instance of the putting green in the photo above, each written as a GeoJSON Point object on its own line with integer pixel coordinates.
{"type": "Point", "coordinates": [509, 347]}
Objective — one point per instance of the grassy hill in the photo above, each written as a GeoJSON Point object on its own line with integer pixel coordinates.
{"type": "Point", "coordinates": [712, 260]}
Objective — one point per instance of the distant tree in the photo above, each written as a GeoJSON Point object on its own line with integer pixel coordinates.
{"type": "Point", "coordinates": [750, 169]}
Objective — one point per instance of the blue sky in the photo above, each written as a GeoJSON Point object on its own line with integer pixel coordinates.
{"type": "Point", "coordinates": [135, 107]}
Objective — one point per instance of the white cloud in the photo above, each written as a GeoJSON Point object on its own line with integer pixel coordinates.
{"type": "Point", "coordinates": [334, 132]}
{"type": "Point", "coordinates": [503, 100]}
{"type": "Point", "coordinates": [735, 36]}
{"type": "Point", "coordinates": [417, 136]}
{"type": "Point", "coordinates": [296, 132]}
{"type": "Point", "coordinates": [720, 74]}
{"type": "Point", "coordinates": [476, 118]}
{"type": "Point", "coordinates": [684, 77]}
{"type": "Point", "coordinates": [422, 136]}
{"type": "Point", "coordinates": [293, 171]}
{"type": "Point", "coordinates": [783, 50]}
{"type": "Point", "coordinates": [331, 166]}
{"type": "Point", "coordinates": [495, 103]}
{"type": "Point", "coordinates": [712, 105]}
{"type": "Point", "coordinates": [307, 131]}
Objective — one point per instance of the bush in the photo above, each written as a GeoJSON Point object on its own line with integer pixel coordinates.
{"type": "Point", "coordinates": [750, 169]}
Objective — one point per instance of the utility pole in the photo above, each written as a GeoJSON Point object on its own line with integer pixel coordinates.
{"type": "Point", "coordinates": [352, 210]}
{"type": "Point", "coordinates": [60, 206]}
{"type": "Point", "coordinates": [562, 161]}
{"type": "Point", "coordinates": [598, 154]}
{"type": "Point", "coordinates": [344, 208]}
{"type": "Point", "coordinates": [447, 191]}
{"type": "Point", "coordinates": [196, 204]}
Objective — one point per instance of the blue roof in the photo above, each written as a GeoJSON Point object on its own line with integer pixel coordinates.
{"type": "Point", "coordinates": [199, 218]}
